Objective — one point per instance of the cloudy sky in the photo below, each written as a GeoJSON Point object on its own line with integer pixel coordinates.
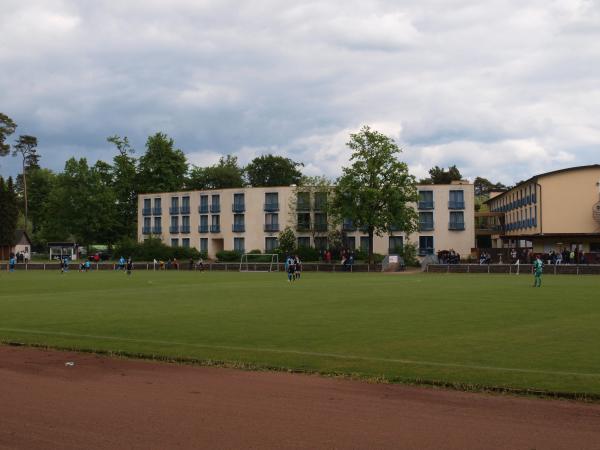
{"type": "Point", "coordinates": [501, 88]}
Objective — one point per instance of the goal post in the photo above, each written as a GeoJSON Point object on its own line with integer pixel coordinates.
{"type": "Point", "coordinates": [259, 262]}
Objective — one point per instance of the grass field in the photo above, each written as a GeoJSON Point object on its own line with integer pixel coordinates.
{"type": "Point", "coordinates": [471, 330]}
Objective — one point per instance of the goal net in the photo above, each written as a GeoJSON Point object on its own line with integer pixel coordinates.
{"type": "Point", "coordinates": [259, 262]}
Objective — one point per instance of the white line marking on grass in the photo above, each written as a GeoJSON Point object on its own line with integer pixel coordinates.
{"type": "Point", "coordinates": [302, 353]}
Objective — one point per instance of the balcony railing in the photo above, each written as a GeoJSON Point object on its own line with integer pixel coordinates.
{"type": "Point", "coordinates": [185, 229]}
{"type": "Point", "coordinates": [238, 208]}
{"type": "Point", "coordinates": [215, 228]}
{"type": "Point", "coordinates": [174, 210]}
{"type": "Point", "coordinates": [156, 211]}
{"type": "Point", "coordinates": [425, 226]}
{"type": "Point", "coordinates": [214, 208]}
{"type": "Point", "coordinates": [146, 211]}
{"type": "Point", "coordinates": [303, 206]}
{"type": "Point", "coordinates": [202, 228]}
{"type": "Point", "coordinates": [270, 227]}
{"type": "Point", "coordinates": [156, 230]}
{"type": "Point", "coordinates": [456, 226]}
{"type": "Point", "coordinates": [174, 229]}
{"type": "Point", "coordinates": [320, 227]}
{"type": "Point", "coordinates": [426, 205]}
{"type": "Point", "coordinates": [185, 209]}
{"type": "Point", "coordinates": [203, 209]}
{"type": "Point", "coordinates": [238, 228]}
{"type": "Point", "coordinates": [271, 207]}
{"type": "Point", "coordinates": [146, 230]}
{"type": "Point", "coordinates": [456, 204]}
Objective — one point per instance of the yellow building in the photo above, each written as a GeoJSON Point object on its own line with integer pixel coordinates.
{"type": "Point", "coordinates": [245, 219]}
{"type": "Point", "coordinates": [552, 211]}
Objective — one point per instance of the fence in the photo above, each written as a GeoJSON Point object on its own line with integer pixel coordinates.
{"type": "Point", "coordinates": [216, 267]}
{"type": "Point", "coordinates": [522, 269]}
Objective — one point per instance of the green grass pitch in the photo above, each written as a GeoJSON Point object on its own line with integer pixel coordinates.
{"type": "Point", "coordinates": [480, 330]}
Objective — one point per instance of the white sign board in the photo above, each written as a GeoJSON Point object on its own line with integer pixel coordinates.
{"type": "Point", "coordinates": [393, 259]}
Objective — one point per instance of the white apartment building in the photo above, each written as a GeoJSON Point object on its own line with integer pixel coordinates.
{"type": "Point", "coordinates": [245, 219]}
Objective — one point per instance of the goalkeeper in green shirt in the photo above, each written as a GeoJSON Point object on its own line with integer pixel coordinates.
{"type": "Point", "coordinates": [537, 272]}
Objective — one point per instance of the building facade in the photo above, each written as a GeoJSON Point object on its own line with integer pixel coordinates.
{"type": "Point", "coordinates": [551, 211]}
{"type": "Point", "coordinates": [245, 219]}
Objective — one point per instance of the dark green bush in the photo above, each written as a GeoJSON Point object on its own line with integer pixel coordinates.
{"type": "Point", "coordinates": [151, 249]}
{"type": "Point", "coordinates": [308, 254]}
{"type": "Point", "coordinates": [229, 256]}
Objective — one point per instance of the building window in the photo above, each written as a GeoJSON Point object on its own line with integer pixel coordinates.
{"type": "Point", "coordinates": [347, 225]}
{"type": "Point", "coordinates": [204, 245]}
{"type": "Point", "coordinates": [457, 220]}
{"type": "Point", "coordinates": [395, 244]}
{"type": "Point", "coordinates": [425, 199]}
{"type": "Point", "coordinates": [303, 201]}
{"type": "Point", "coordinates": [304, 242]}
{"type": "Point", "coordinates": [456, 200]}
{"type": "Point", "coordinates": [350, 242]}
{"type": "Point", "coordinates": [174, 209]}
{"type": "Point", "coordinates": [185, 205]}
{"type": "Point", "coordinates": [215, 204]}
{"type": "Point", "coordinates": [203, 208]}
{"type": "Point", "coordinates": [157, 226]}
{"type": "Point", "coordinates": [203, 227]}
{"type": "Point", "coordinates": [238, 203]}
{"type": "Point", "coordinates": [364, 244]}
{"type": "Point", "coordinates": [425, 221]}
{"type": "Point", "coordinates": [303, 222]}
{"type": "Point", "coordinates": [271, 201]}
{"type": "Point", "coordinates": [174, 242]}
{"type": "Point", "coordinates": [320, 222]}
{"type": "Point", "coordinates": [146, 228]}
{"type": "Point", "coordinates": [174, 224]}
{"type": "Point", "coordinates": [215, 224]}
{"type": "Point", "coordinates": [238, 245]}
{"type": "Point", "coordinates": [157, 206]}
{"type": "Point", "coordinates": [271, 222]}
{"type": "Point", "coordinates": [270, 244]}
{"type": "Point", "coordinates": [426, 245]}
{"type": "Point", "coordinates": [185, 224]}
{"type": "Point", "coordinates": [147, 210]}
{"type": "Point", "coordinates": [185, 242]}
{"type": "Point", "coordinates": [320, 201]}
{"type": "Point", "coordinates": [321, 243]}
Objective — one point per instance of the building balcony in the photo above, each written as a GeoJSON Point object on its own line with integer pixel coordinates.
{"type": "Point", "coordinates": [146, 211]}
{"type": "Point", "coordinates": [238, 208]}
{"type": "Point", "coordinates": [456, 205]}
{"type": "Point", "coordinates": [185, 209]}
{"type": "Point", "coordinates": [271, 207]}
{"type": "Point", "coordinates": [271, 227]}
{"type": "Point", "coordinates": [215, 228]}
{"type": "Point", "coordinates": [238, 228]}
{"type": "Point", "coordinates": [146, 230]}
{"type": "Point", "coordinates": [184, 229]}
{"type": "Point", "coordinates": [156, 211]}
{"type": "Point", "coordinates": [425, 226]}
{"type": "Point", "coordinates": [425, 205]}
{"type": "Point", "coordinates": [174, 210]}
{"type": "Point", "coordinates": [215, 209]}
{"type": "Point", "coordinates": [174, 229]}
{"type": "Point", "coordinates": [156, 230]}
{"type": "Point", "coordinates": [202, 228]}
{"type": "Point", "coordinates": [456, 226]}
{"type": "Point", "coordinates": [203, 209]}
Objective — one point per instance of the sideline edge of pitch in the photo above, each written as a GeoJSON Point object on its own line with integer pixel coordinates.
{"type": "Point", "coordinates": [302, 353]}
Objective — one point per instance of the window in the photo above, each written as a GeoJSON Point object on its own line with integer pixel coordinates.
{"type": "Point", "coordinates": [320, 222]}
{"type": "Point", "coordinates": [303, 242]}
{"type": "Point", "coordinates": [185, 242]}
{"type": "Point", "coordinates": [185, 224]}
{"type": "Point", "coordinates": [147, 210]}
{"type": "Point", "coordinates": [238, 203]}
{"type": "Point", "coordinates": [321, 243]}
{"type": "Point", "coordinates": [457, 220]}
{"type": "Point", "coordinates": [425, 199]}
{"type": "Point", "coordinates": [204, 245]}
{"type": "Point", "coordinates": [395, 244]}
{"type": "Point", "coordinates": [157, 226]}
{"type": "Point", "coordinates": [303, 222]}
{"type": "Point", "coordinates": [271, 201]}
{"type": "Point", "coordinates": [270, 244]}
{"type": "Point", "coordinates": [350, 243]}
{"type": "Point", "coordinates": [426, 245]}
{"type": "Point", "coordinates": [320, 200]}
{"type": "Point", "coordinates": [174, 242]}
{"type": "Point", "coordinates": [364, 244]}
{"type": "Point", "coordinates": [271, 222]}
{"type": "Point", "coordinates": [146, 228]}
{"type": "Point", "coordinates": [215, 203]}
{"type": "Point", "coordinates": [174, 224]}
{"type": "Point", "coordinates": [185, 205]}
{"type": "Point", "coordinates": [215, 224]}
{"type": "Point", "coordinates": [347, 225]}
{"type": "Point", "coordinates": [456, 200]}
{"type": "Point", "coordinates": [203, 227]}
{"type": "Point", "coordinates": [425, 221]}
{"type": "Point", "coordinates": [238, 223]}
{"type": "Point", "coordinates": [203, 208]}
{"type": "Point", "coordinates": [174, 209]}
{"type": "Point", "coordinates": [157, 211]}
{"type": "Point", "coordinates": [303, 201]}
{"type": "Point", "coordinates": [238, 244]}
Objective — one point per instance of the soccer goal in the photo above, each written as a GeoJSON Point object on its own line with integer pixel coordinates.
{"type": "Point", "coordinates": [259, 262]}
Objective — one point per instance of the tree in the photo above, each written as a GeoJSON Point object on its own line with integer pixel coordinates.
{"type": "Point", "coordinates": [226, 174]}
{"type": "Point", "coordinates": [287, 241]}
{"type": "Point", "coordinates": [376, 192]}
{"type": "Point", "coordinates": [438, 175]}
{"type": "Point", "coordinates": [9, 213]}
{"type": "Point", "coordinates": [483, 187]}
{"type": "Point", "coordinates": [271, 170]}
{"type": "Point", "coordinates": [26, 147]}
{"type": "Point", "coordinates": [7, 127]}
{"type": "Point", "coordinates": [41, 183]}
{"type": "Point", "coordinates": [125, 185]}
{"type": "Point", "coordinates": [162, 168]}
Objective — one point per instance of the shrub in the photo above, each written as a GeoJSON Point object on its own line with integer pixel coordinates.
{"type": "Point", "coordinates": [308, 254]}
{"type": "Point", "coordinates": [229, 256]}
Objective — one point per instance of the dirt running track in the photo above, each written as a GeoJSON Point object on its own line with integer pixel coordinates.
{"type": "Point", "coordinates": [114, 403]}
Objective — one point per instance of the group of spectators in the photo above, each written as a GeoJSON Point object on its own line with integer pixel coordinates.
{"type": "Point", "coordinates": [448, 257]}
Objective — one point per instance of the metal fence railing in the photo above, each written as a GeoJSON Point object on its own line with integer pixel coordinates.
{"type": "Point", "coordinates": [522, 269]}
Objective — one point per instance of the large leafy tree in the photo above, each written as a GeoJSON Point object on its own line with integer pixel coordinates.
{"type": "Point", "coordinates": [7, 127]}
{"type": "Point", "coordinates": [437, 175]}
{"type": "Point", "coordinates": [162, 168]}
{"type": "Point", "coordinates": [41, 182]}
{"type": "Point", "coordinates": [26, 148]}
{"type": "Point", "coordinates": [9, 213]}
{"type": "Point", "coordinates": [125, 185]}
{"type": "Point", "coordinates": [483, 187]}
{"type": "Point", "coordinates": [271, 170]}
{"type": "Point", "coordinates": [225, 174]}
{"type": "Point", "coordinates": [376, 192]}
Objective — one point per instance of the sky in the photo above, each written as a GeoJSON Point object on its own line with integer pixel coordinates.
{"type": "Point", "coordinates": [504, 89]}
